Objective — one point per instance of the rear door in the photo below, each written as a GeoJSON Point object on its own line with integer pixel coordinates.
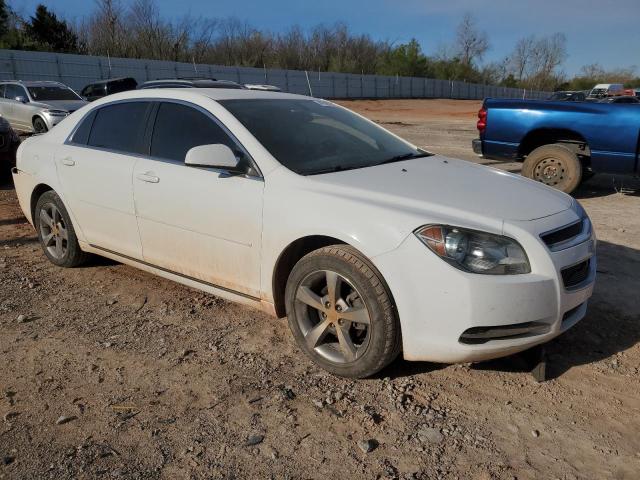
{"type": "Point", "coordinates": [202, 223]}
{"type": "Point", "coordinates": [95, 167]}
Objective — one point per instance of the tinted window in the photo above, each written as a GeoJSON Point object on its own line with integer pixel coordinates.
{"type": "Point", "coordinates": [40, 94]}
{"type": "Point", "coordinates": [119, 127]}
{"type": "Point", "coordinates": [179, 128]}
{"type": "Point", "coordinates": [315, 136]}
{"type": "Point", "coordinates": [81, 135]}
{"type": "Point", "coordinates": [120, 86]}
{"type": "Point", "coordinates": [13, 91]}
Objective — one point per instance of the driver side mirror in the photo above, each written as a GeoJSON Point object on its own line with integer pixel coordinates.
{"type": "Point", "coordinates": [21, 99]}
{"type": "Point", "coordinates": [214, 156]}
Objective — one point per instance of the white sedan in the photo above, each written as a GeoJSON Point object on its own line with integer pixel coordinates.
{"type": "Point", "coordinates": [302, 208]}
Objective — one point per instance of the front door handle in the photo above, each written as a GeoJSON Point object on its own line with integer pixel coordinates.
{"type": "Point", "coordinates": [68, 161]}
{"type": "Point", "coordinates": [148, 177]}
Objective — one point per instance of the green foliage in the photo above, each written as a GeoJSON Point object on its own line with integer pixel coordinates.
{"type": "Point", "coordinates": [405, 60]}
{"type": "Point", "coordinates": [49, 33]}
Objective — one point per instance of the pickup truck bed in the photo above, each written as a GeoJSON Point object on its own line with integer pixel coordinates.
{"type": "Point", "coordinates": [602, 137]}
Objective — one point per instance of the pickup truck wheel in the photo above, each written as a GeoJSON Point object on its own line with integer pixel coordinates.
{"type": "Point", "coordinates": [55, 232]}
{"type": "Point", "coordinates": [341, 313]}
{"type": "Point", "coordinates": [555, 166]}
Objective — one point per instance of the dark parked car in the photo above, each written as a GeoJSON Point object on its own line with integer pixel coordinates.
{"type": "Point", "coordinates": [100, 89]}
{"type": "Point", "coordinates": [621, 99]}
{"type": "Point", "coordinates": [568, 97]}
{"type": "Point", "coordinates": [190, 83]}
{"type": "Point", "coordinates": [9, 142]}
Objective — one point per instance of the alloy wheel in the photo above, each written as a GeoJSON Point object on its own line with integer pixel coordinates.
{"type": "Point", "coordinates": [332, 316]}
{"type": "Point", "coordinates": [53, 231]}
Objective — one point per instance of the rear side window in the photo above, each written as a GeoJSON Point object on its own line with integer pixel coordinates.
{"type": "Point", "coordinates": [119, 127]}
{"type": "Point", "coordinates": [178, 128]}
{"type": "Point", "coordinates": [81, 135]}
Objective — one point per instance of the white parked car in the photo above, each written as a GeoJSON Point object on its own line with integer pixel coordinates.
{"type": "Point", "coordinates": [294, 205]}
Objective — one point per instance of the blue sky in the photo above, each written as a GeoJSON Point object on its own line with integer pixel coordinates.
{"type": "Point", "coordinates": [597, 31]}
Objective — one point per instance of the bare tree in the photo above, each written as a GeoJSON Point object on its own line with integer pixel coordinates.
{"type": "Point", "coordinates": [520, 59]}
{"type": "Point", "coordinates": [471, 43]}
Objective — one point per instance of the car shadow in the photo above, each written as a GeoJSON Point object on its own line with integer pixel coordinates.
{"type": "Point", "coordinates": [602, 185]}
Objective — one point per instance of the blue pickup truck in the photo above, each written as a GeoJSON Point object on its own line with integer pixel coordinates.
{"type": "Point", "coordinates": [560, 143]}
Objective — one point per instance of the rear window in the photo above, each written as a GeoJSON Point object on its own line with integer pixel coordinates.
{"type": "Point", "coordinates": [121, 85]}
{"type": "Point", "coordinates": [119, 127]}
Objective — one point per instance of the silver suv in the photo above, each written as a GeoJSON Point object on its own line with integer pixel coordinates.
{"type": "Point", "coordinates": [37, 106]}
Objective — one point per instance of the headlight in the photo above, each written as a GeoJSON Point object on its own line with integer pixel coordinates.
{"type": "Point", "coordinates": [474, 251]}
{"type": "Point", "coordinates": [57, 113]}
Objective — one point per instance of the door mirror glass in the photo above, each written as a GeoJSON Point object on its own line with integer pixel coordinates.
{"type": "Point", "coordinates": [21, 99]}
{"type": "Point", "coordinates": [216, 156]}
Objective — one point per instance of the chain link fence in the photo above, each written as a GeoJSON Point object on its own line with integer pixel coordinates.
{"type": "Point", "coordinates": [77, 71]}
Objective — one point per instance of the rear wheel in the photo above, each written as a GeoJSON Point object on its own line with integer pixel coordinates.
{"type": "Point", "coordinates": [555, 166]}
{"type": "Point", "coordinates": [341, 313]}
{"type": "Point", "coordinates": [39, 126]}
{"type": "Point", "coordinates": [55, 232]}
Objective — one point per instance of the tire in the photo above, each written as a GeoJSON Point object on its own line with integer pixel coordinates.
{"type": "Point", "coordinates": [39, 126]}
{"type": "Point", "coordinates": [554, 165]}
{"type": "Point", "coordinates": [354, 333]}
{"type": "Point", "coordinates": [56, 233]}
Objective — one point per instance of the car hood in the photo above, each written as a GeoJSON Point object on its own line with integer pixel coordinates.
{"type": "Point", "coordinates": [450, 187]}
{"type": "Point", "coordinates": [68, 105]}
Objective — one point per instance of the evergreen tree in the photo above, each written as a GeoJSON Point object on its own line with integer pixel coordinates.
{"type": "Point", "coordinates": [45, 29]}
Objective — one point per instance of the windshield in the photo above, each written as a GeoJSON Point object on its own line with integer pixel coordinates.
{"type": "Point", "coordinates": [316, 136]}
{"type": "Point", "coordinates": [40, 94]}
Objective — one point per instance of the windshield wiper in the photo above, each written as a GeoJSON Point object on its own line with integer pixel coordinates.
{"type": "Point", "coordinates": [335, 168]}
{"type": "Point", "coordinates": [405, 156]}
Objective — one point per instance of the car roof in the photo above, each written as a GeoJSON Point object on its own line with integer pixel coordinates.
{"type": "Point", "coordinates": [108, 80]}
{"type": "Point", "coordinates": [196, 82]}
{"type": "Point", "coordinates": [195, 93]}
{"type": "Point", "coordinates": [35, 83]}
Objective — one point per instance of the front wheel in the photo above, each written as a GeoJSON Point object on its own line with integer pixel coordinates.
{"type": "Point", "coordinates": [39, 126]}
{"type": "Point", "coordinates": [555, 166]}
{"type": "Point", "coordinates": [341, 313]}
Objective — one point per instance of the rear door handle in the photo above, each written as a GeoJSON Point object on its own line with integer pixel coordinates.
{"type": "Point", "coordinates": [148, 177]}
{"type": "Point", "coordinates": [68, 161]}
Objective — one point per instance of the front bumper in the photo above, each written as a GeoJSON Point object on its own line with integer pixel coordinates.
{"type": "Point", "coordinates": [438, 303]}
{"type": "Point", "coordinates": [52, 120]}
{"type": "Point", "coordinates": [476, 144]}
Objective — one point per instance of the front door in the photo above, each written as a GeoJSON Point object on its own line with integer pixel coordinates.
{"type": "Point", "coordinates": [202, 223]}
{"type": "Point", "coordinates": [95, 168]}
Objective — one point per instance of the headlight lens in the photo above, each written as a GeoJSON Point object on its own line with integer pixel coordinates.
{"type": "Point", "coordinates": [474, 251]}
{"type": "Point", "coordinates": [58, 113]}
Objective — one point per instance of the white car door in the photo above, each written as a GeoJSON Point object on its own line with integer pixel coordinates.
{"type": "Point", "coordinates": [95, 167]}
{"type": "Point", "coordinates": [202, 223]}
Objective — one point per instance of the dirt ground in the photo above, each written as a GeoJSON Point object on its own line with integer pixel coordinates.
{"type": "Point", "coordinates": [109, 372]}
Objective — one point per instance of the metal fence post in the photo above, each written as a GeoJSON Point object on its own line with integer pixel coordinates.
{"type": "Point", "coordinates": [58, 69]}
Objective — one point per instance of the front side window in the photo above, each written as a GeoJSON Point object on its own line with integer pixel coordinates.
{"type": "Point", "coordinates": [41, 94]}
{"type": "Point", "coordinates": [14, 91]}
{"type": "Point", "coordinates": [119, 127]}
{"type": "Point", "coordinates": [178, 128]}
{"type": "Point", "coordinates": [315, 136]}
